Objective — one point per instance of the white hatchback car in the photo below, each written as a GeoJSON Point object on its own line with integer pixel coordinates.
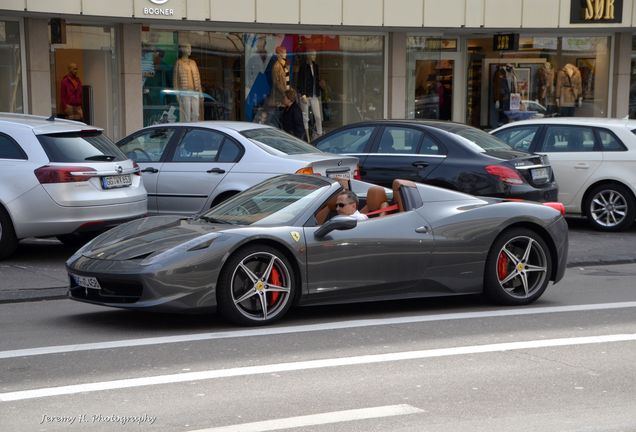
{"type": "Point", "coordinates": [190, 167]}
{"type": "Point", "coordinates": [62, 178]}
{"type": "Point", "coordinates": [593, 160]}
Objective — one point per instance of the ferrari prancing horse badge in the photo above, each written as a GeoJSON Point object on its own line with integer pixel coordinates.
{"type": "Point", "coordinates": [295, 235]}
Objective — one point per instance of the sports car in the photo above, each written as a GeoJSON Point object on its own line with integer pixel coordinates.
{"type": "Point", "coordinates": [279, 244]}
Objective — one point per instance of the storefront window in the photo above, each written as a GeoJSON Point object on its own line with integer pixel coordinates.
{"type": "Point", "coordinates": [10, 67]}
{"type": "Point", "coordinates": [632, 87]}
{"type": "Point", "coordinates": [545, 76]}
{"type": "Point", "coordinates": [189, 76]}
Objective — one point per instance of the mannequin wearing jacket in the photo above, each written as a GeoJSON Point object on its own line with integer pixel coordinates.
{"type": "Point", "coordinates": [569, 89]}
{"type": "Point", "coordinates": [280, 76]}
{"type": "Point", "coordinates": [545, 79]}
{"type": "Point", "coordinates": [188, 81]}
{"type": "Point", "coordinates": [309, 88]}
{"type": "Point", "coordinates": [504, 83]}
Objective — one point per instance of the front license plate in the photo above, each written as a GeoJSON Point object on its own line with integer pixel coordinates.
{"type": "Point", "coordinates": [86, 282]}
{"type": "Point", "coordinates": [540, 174]}
{"type": "Point", "coordinates": [111, 182]}
{"type": "Point", "coordinates": [346, 175]}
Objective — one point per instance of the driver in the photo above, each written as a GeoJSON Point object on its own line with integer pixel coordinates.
{"type": "Point", "coordinates": [347, 205]}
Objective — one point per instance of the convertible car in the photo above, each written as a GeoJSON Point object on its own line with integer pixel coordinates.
{"type": "Point", "coordinates": [279, 244]}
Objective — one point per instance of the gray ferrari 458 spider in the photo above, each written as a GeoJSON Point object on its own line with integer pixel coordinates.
{"type": "Point", "coordinates": [278, 244]}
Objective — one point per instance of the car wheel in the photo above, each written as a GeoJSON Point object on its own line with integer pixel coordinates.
{"type": "Point", "coordinates": [256, 286]}
{"type": "Point", "coordinates": [610, 207]}
{"type": "Point", "coordinates": [8, 240]}
{"type": "Point", "coordinates": [518, 268]}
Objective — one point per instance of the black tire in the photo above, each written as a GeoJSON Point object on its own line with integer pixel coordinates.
{"type": "Point", "coordinates": [610, 207]}
{"type": "Point", "coordinates": [8, 240]}
{"type": "Point", "coordinates": [261, 303]}
{"type": "Point", "coordinates": [518, 267]}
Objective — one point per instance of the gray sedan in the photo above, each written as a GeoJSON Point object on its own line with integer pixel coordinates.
{"type": "Point", "coordinates": [191, 167]}
{"type": "Point", "coordinates": [276, 245]}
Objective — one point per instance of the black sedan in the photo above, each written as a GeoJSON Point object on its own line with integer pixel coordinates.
{"type": "Point", "coordinates": [445, 154]}
{"type": "Point", "coordinates": [276, 245]}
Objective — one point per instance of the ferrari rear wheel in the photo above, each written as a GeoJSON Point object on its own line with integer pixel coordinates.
{"type": "Point", "coordinates": [518, 267]}
{"type": "Point", "coordinates": [256, 287]}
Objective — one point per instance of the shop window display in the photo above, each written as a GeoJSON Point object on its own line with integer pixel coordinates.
{"type": "Point", "coordinates": [10, 67]}
{"type": "Point", "coordinates": [632, 87]}
{"type": "Point", "coordinates": [546, 76]}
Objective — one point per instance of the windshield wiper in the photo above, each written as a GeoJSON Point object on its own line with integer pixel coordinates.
{"type": "Point", "coordinates": [213, 220]}
{"type": "Point", "coordinates": [102, 157]}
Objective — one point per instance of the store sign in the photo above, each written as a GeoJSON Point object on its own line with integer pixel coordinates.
{"type": "Point", "coordinates": [505, 42]}
{"type": "Point", "coordinates": [596, 11]}
{"type": "Point", "coordinates": [161, 11]}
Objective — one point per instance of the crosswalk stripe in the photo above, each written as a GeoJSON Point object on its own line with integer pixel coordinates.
{"type": "Point", "coordinates": [307, 365]}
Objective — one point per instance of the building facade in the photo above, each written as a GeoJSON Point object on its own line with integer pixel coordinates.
{"type": "Point", "coordinates": [482, 62]}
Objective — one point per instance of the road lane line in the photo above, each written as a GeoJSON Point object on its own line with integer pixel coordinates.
{"type": "Point", "coordinates": [319, 419]}
{"type": "Point", "coordinates": [307, 365]}
{"type": "Point", "coordinates": [338, 325]}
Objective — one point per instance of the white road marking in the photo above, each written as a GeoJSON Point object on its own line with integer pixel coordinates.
{"type": "Point", "coordinates": [307, 365]}
{"type": "Point", "coordinates": [338, 325]}
{"type": "Point", "coordinates": [319, 419]}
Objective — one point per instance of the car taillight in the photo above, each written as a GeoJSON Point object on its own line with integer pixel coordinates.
{"type": "Point", "coordinates": [505, 174]}
{"type": "Point", "coordinates": [306, 170]}
{"type": "Point", "coordinates": [356, 173]}
{"type": "Point", "coordinates": [62, 174]}
{"type": "Point", "coordinates": [557, 206]}
{"type": "Point", "coordinates": [137, 169]}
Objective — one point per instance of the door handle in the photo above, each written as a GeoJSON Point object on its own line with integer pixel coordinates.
{"type": "Point", "coordinates": [581, 166]}
{"type": "Point", "coordinates": [420, 164]}
{"type": "Point", "coordinates": [150, 170]}
{"type": "Point", "coordinates": [216, 171]}
{"type": "Point", "coordinates": [423, 230]}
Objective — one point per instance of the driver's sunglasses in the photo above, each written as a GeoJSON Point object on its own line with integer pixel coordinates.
{"type": "Point", "coordinates": [340, 205]}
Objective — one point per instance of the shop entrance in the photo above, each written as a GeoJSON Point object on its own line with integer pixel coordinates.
{"type": "Point", "coordinates": [84, 77]}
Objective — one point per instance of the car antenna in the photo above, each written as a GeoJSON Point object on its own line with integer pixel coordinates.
{"type": "Point", "coordinates": [52, 118]}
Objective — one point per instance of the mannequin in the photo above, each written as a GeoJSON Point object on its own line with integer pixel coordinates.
{"type": "Point", "coordinates": [569, 89]}
{"type": "Point", "coordinates": [188, 81]}
{"type": "Point", "coordinates": [309, 88]}
{"type": "Point", "coordinates": [504, 83]}
{"type": "Point", "coordinates": [545, 79]}
{"type": "Point", "coordinates": [71, 94]}
{"type": "Point", "coordinates": [280, 76]}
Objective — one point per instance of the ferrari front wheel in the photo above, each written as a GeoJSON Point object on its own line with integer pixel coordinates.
{"type": "Point", "coordinates": [256, 286]}
{"type": "Point", "coordinates": [518, 267]}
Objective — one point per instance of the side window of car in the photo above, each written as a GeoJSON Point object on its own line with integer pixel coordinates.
{"type": "Point", "coordinates": [519, 138]}
{"type": "Point", "coordinates": [559, 139]}
{"type": "Point", "coordinates": [198, 145]}
{"type": "Point", "coordinates": [609, 141]}
{"type": "Point", "coordinates": [400, 140]}
{"type": "Point", "coordinates": [230, 151]}
{"type": "Point", "coordinates": [430, 147]}
{"type": "Point", "coordinates": [148, 146]}
{"type": "Point", "coordinates": [9, 149]}
{"type": "Point", "coordinates": [352, 140]}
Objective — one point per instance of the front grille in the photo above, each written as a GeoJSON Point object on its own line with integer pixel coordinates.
{"type": "Point", "coordinates": [112, 291]}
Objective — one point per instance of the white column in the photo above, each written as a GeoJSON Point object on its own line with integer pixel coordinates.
{"type": "Point", "coordinates": [397, 75]}
{"type": "Point", "coordinates": [131, 98]}
{"type": "Point", "coordinates": [621, 75]}
{"type": "Point", "coordinates": [38, 85]}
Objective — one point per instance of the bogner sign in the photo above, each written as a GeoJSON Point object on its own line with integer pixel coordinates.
{"type": "Point", "coordinates": [159, 10]}
{"type": "Point", "coordinates": [596, 11]}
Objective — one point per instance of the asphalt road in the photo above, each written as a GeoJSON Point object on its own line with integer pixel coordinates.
{"type": "Point", "coordinates": [460, 364]}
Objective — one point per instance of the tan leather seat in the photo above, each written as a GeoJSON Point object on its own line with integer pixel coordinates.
{"type": "Point", "coordinates": [323, 213]}
{"type": "Point", "coordinates": [376, 200]}
{"type": "Point", "coordinates": [398, 198]}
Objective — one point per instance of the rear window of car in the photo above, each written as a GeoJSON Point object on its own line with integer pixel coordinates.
{"type": "Point", "coordinates": [279, 140]}
{"type": "Point", "coordinates": [82, 146]}
{"type": "Point", "coordinates": [481, 139]}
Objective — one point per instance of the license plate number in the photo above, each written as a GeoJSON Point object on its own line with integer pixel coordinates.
{"type": "Point", "coordinates": [540, 174]}
{"type": "Point", "coordinates": [346, 175]}
{"type": "Point", "coordinates": [86, 282]}
{"type": "Point", "coordinates": [111, 182]}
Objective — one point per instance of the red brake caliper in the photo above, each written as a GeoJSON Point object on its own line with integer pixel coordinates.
{"type": "Point", "coordinates": [502, 266]}
{"type": "Point", "coordinates": [274, 279]}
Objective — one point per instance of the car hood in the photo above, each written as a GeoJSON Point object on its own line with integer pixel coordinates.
{"type": "Point", "coordinates": [144, 237]}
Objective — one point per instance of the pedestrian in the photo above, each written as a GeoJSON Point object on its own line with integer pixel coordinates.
{"type": "Point", "coordinates": [292, 115]}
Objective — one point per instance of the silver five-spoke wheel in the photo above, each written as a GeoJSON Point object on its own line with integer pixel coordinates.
{"type": "Point", "coordinates": [610, 207]}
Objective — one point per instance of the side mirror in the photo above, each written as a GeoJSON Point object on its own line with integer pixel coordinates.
{"type": "Point", "coordinates": [336, 223]}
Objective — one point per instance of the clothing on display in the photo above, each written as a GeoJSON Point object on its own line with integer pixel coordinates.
{"type": "Point", "coordinates": [280, 77]}
{"type": "Point", "coordinates": [188, 81]}
{"type": "Point", "coordinates": [504, 83]}
{"type": "Point", "coordinates": [72, 95]}
{"type": "Point", "coordinates": [545, 80]}
{"type": "Point", "coordinates": [309, 88]}
{"type": "Point", "coordinates": [569, 87]}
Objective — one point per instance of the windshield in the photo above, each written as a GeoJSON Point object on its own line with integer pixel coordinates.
{"type": "Point", "coordinates": [279, 140]}
{"type": "Point", "coordinates": [484, 141]}
{"type": "Point", "coordinates": [80, 147]}
{"type": "Point", "coordinates": [277, 201]}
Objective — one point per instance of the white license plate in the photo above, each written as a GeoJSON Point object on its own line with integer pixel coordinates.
{"type": "Point", "coordinates": [540, 174]}
{"type": "Point", "coordinates": [87, 282]}
{"type": "Point", "coordinates": [111, 182]}
{"type": "Point", "coordinates": [346, 175]}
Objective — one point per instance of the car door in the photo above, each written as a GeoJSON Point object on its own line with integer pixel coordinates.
{"type": "Point", "coordinates": [402, 152]}
{"type": "Point", "coordinates": [574, 154]}
{"type": "Point", "coordinates": [148, 148]}
{"type": "Point", "coordinates": [379, 257]}
{"type": "Point", "coordinates": [194, 168]}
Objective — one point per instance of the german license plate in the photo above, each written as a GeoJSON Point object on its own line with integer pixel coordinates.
{"type": "Point", "coordinates": [539, 174]}
{"type": "Point", "coordinates": [86, 282]}
{"type": "Point", "coordinates": [112, 182]}
{"type": "Point", "coordinates": [346, 175]}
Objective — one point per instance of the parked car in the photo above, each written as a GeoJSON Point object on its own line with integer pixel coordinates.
{"type": "Point", "coordinates": [450, 155]}
{"type": "Point", "coordinates": [62, 178]}
{"type": "Point", "coordinates": [273, 246]}
{"type": "Point", "coordinates": [594, 162]}
{"type": "Point", "coordinates": [190, 167]}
